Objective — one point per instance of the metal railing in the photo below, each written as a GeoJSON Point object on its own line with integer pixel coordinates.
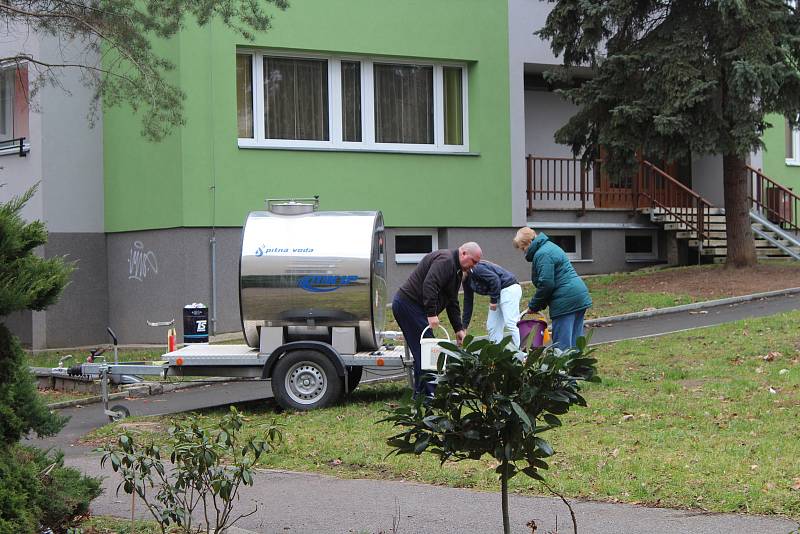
{"type": "Point", "coordinates": [18, 144]}
{"type": "Point", "coordinates": [654, 188]}
{"type": "Point", "coordinates": [779, 204]}
{"type": "Point", "coordinates": [569, 182]}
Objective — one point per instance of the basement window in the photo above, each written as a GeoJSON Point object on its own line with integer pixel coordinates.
{"type": "Point", "coordinates": [410, 246]}
{"type": "Point", "coordinates": [641, 246]}
{"type": "Point", "coordinates": [570, 243]}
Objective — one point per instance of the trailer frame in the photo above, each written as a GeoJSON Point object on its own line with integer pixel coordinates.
{"type": "Point", "coordinates": [295, 392]}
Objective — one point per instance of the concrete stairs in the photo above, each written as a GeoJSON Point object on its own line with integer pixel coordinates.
{"type": "Point", "coordinates": [771, 242]}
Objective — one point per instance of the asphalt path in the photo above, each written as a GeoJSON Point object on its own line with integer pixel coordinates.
{"type": "Point", "coordinates": [288, 502]}
{"type": "Point", "coordinates": [84, 419]}
{"type": "Point", "coordinates": [660, 325]}
{"type": "Point", "coordinates": [341, 505]}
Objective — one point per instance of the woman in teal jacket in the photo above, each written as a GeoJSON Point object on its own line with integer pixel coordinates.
{"type": "Point", "coordinates": [557, 286]}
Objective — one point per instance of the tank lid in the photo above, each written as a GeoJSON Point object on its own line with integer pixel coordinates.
{"type": "Point", "coordinates": [292, 206]}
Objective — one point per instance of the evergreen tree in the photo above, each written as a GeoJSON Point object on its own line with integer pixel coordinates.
{"type": "Point", "coordinates": [122, 32]}
{"type": "Point", "coordinates": [36, 491]}
{"type": "Point", "coordinates": [679, 78]}
{"type": "Point", "coordinates": [27, 282]}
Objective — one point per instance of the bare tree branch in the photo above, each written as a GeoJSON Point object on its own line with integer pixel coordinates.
{"type": "Point", "coordinates": [115, 39]}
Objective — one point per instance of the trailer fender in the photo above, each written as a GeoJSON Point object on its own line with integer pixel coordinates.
{"type": "Point", "coordinates": [317, 346]}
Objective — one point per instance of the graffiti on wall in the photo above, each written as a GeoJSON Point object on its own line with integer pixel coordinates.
{"type": "Point", "coordinates": [141, 263]}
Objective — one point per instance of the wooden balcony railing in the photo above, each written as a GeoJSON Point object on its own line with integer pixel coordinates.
{"type": "Point", "coordinates": [558, 180]}
{"type": "Point", "coordinates": [777, 203]}
{"type": "Point", "coordinates": [569, 182]}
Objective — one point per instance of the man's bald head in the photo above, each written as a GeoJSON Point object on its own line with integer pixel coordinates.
{"type": "Point", "coordinates": [468, 255]}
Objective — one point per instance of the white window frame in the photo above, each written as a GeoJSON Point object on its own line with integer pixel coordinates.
{"type": "Point", "coordinates": [6, 136]}
{"type": "Point", "coordinates": [367, 142]}
{"type": "Point", "coordinates": [794, 161]}
{"type": "Point", "coordinates": [577, 234]}
{"type": "Point", "coordinates": [415, 257]}
{"type": "Point", "coordinates": [9, 82]}
{"type": "Point", "coordinates": [643, 256]}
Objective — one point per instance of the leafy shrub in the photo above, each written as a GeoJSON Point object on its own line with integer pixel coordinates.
{"type": "Point", "coordinates": [493, 400]}
{"type": "Point", "coordinates": [27, 282]}
{"type": "Point", "coordinates": [38, 492]}
{"type": "Point", "coordinates": [209, 465]}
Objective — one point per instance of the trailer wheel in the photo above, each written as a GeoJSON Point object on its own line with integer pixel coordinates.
{"type": "Point", "coordinates": [120, 412]}
{"type": "Point", "coordinates": [354, 373]}
{"type": "Point", "coordinates": [305, 380]}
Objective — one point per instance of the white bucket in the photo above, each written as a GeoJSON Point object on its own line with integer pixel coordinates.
{"type": "Point", "coordinates": [430, 349]}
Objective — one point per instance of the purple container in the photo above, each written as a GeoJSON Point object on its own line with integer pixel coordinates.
{"type": "Point", "coordinates": [531, 331]}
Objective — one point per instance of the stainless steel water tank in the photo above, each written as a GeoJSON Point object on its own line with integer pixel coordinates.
{"type": "Point", "coordinates": [310, 270]}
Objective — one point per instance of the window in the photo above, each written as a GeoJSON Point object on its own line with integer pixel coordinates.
{"type": "Point", "coordinates": [453, 106]}
{"type": "Point", "coordinates": [792, 142]}
{"type": "Point", "coordinates": [244, 94]}
{"type": "Point", "coordinates": [351, 101]}
{"type": "Point", "coordinates": [13, 103]}
{"type": "Point", "coordinates": [641, 246]}
{"type": "Point", "coordinates": [403, 104]}
{"type": "Point", "coordinates": [570, 243]}
{"type": "Point", "coordinates": [410, 246]}
{"type": "Point", "coordinates": [312, 101]}
{"type": "Point", "coordinates": [295, 99]}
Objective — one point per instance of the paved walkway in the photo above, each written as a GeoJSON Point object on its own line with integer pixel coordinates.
{"type": "Point", "coordinates": [687, 320]}
{"type": "Point", "coordinates": [307, 503]}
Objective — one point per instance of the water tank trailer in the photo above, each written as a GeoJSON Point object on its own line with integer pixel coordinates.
{"type": "Point", "coordinates": [312, 298]}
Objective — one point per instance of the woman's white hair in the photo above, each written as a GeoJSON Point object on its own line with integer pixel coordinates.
{"type": "Point", "coordinates": [524, 238]}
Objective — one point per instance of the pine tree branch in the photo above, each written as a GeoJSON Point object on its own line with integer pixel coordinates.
{"type": "Point", "coordinates": [20, 59]}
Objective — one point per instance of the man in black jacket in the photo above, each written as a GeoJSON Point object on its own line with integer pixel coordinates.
{"type": "Point", "coordinates": [432, 288]}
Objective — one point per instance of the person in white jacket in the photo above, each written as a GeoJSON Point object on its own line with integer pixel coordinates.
{"type": "Point", "coordinates": [487, 278]}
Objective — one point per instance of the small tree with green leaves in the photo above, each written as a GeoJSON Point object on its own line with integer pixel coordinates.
{"type": "Point", "coordinates": [490, 400]}
{"type": "Point", "coordinates": [209, 466]}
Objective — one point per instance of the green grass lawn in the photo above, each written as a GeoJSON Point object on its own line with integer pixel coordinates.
{"type": "Point", "coordinates": [704, 419]}
{"type": "Point", "coordinates": [50, 396]}
{"type": "Point", "coordinates": [50, 358]}
{"type": "Point", "coordinates": [608, 300]}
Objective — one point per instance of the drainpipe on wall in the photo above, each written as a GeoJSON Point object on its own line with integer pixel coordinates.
{"type": "Point", "coordinates": [213, 241]}
{"type": "Point", "coordinates": [213, 318]}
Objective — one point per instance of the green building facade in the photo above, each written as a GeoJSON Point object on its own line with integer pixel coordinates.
{"type": "Point", "coordinates": [201, 176]}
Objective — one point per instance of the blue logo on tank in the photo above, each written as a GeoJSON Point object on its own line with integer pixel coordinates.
{"type": "Point", "coordinates": [325, 283]}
